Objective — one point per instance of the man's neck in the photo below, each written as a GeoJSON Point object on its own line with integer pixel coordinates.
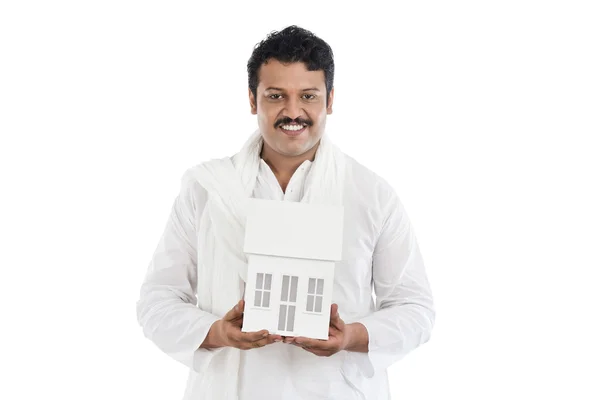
{"type": "Point", "coordinates": [284, 166]}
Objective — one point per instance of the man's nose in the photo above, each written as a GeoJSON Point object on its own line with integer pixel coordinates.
{"type": "Point", "coordinates": [292, 108]}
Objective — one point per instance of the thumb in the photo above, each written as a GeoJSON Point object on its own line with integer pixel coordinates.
{"type": "Point", "coordinates": [336, 321]}
{"type": "Point", "coordinates": [334, 311]}
{"type": "Point", "coordinates": [236, 312]}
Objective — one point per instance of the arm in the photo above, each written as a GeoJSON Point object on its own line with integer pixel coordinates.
{"type": "Point", "coordinates": [358, 338]}
{"type": "Point", "coordinates": [405, 315]}
{"type": "Point", "coordinates": [166, 309]}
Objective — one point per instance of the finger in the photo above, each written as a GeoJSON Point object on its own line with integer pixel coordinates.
{"type": "Point", "coordinates": [338, 324]}
{"type": "Point", "coordinates": [335, 319]}
{"type": "Point", "coordinates": [275, 338]}
{"type": "Point", "coordinates": [254, 345]}
{"type": "Point", "coordinates": [253, 336]}
{"type": "Point", "coordinates": [270, 339]}
{"type": "Point", "coordinates": [334, 312]}
{"type": "Point", "coordinates": [334, 309]}
{"type": "Point", "coordinates": [313, 343]}
{"type": "Point", "coordinates": [288, 339]}
{"type": "Point", "coordinates": [264, 341]}
{"type": "Point", "coordinates": [236, 312]}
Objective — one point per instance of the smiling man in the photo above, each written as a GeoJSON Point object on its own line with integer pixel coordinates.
{"type": "Point", "coordinates": [293, 103]}
{"type": "Point", "coordinates": [190, 303]}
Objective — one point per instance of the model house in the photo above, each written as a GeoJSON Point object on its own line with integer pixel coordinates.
{"type": "Point", "coordinates": [292, 248]}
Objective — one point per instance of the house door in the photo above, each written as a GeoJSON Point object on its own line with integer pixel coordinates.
{"type": "Point", "coordinates": [287, 307]}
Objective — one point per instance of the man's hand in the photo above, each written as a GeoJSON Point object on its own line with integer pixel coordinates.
{"type": "Point", "coordinates": [352, 337]}
{"type": "Point", "coordinates": [227, 332]}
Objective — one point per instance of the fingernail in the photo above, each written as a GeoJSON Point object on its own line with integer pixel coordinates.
{"type": "Point", "coordinates": [277, 340]}
{"type": "Point", "coordinates": [265, 334]}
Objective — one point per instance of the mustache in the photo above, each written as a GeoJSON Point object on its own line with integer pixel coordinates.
{"type": "Point", "coordinates": [288, 120]}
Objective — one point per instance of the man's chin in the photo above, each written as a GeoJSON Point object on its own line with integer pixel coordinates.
{"type": "Point", "coordinates": [286, 150]}
{"type": "Point", "coordinates": [295, 151]}
{"type": "Point", "coordinates": [292, 153]}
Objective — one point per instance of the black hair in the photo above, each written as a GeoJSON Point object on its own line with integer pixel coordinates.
{"type": "Point", "coordinates": [292, 44]}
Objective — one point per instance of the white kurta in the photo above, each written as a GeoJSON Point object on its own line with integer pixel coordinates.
{"type": "Point", "coordinates": [380, 254]}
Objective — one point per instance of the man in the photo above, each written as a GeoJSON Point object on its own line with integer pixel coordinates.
{"type": "Point", "coordinates": [190, 304]}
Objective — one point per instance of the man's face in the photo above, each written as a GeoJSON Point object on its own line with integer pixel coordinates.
{"type": "Point", "coordinates": [291, 106]}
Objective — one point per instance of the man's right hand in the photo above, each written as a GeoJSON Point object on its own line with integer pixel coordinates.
{"type": "Point", "coordinates": [227, 332]}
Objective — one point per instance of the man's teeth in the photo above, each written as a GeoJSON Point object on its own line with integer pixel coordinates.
{"type": "Point", "coordinates": [292, 127]}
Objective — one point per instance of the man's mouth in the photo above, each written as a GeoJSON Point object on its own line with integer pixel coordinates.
{"type": "Point", "coordinates": [292, 129]}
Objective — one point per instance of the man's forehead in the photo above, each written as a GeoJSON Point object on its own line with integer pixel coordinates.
{"type": "Point", "coordinates": [276, 74]}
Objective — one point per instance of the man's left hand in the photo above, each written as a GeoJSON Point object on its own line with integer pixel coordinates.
{"type": "Point", "coordinates": [339, 337]}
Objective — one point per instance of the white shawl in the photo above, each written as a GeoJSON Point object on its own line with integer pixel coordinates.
{"type": "Point", "coordinates": [222, 265]}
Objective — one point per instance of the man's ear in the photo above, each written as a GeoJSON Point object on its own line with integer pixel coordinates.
{"type": "Point", "coordinates": [330, 102]}
{"type": "Point", "coordinates": [252, 102]}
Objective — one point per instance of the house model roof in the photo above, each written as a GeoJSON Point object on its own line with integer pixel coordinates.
{"type": "Point", "coordinates": [294, 229]}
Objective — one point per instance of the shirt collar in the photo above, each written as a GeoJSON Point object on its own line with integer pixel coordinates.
{"type": "Point", "coordinates": [305, 166]}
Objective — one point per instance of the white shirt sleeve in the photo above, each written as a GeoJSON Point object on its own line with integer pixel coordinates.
{"type": "Point", "coordinates": [404, 315]}
{"type": "Point", "coordinates": [166, 309]}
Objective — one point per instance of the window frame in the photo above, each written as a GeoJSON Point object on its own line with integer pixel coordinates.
{"type": "Point", "coordinates": [263, 290]}
{"type": "Point", "coordinates": [315, 295]}
{"type": "Point", "coordinates": [288, 302]}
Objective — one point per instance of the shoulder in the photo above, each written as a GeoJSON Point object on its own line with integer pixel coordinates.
{"type": "Point", "coordinates": [381, 202]}
{"type": "Point", "coordinates": [197, 180]}
{"type": "Point", "coordinates": [370, 185]}
{"type": "Point", "coordinates": [209, 166]}
{"type": "Point", "coordinates": [191, 191]}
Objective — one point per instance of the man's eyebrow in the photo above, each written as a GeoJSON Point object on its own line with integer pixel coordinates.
{"type": "Point", "coordinates": [283, 90]}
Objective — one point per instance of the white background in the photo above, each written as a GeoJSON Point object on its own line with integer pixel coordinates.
{"type": "Point", "coordinates": [483, 115]}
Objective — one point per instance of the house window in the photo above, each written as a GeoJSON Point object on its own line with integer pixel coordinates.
{"type": "Point", "coordinates": [287, 307]}
{"type": "Point", "coordinates": [314, 302]}
{"type": "Point", "coordinates": [262, 294]}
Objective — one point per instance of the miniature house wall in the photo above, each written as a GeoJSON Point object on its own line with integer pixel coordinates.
{"type": "Point", "coordinates": [292, 248]}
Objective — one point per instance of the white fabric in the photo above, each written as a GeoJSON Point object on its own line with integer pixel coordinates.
{"type": "Point", "coordinates": [229, 183]}
{"type": "Point", "coordinates": [380, 252]}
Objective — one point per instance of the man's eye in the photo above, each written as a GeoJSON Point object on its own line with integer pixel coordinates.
{"type": "Point", "coordinates": [275, 96]}
{"type": "Point", "coordinates": [309, 96]}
